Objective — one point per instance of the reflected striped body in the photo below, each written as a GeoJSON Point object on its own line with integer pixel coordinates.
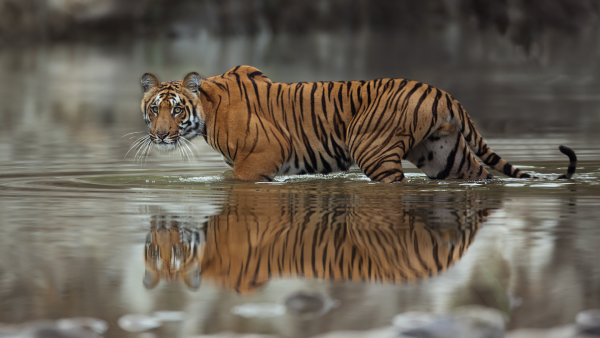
{"type": "Point", "coordinates": [246, 257]}
{"type": "Point", "coordinates": [263, 128]}
{"type": "Point", "coordinates": [262, 235]}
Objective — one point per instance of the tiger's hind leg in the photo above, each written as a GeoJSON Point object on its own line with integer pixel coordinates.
{"type": "Point", "coordinates": [382, 163]}
{"type": "Point", "coordinates": [445, 154]}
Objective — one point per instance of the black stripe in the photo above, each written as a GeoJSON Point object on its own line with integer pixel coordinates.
{"type": "Point", "coordinates": [416, 111]}
{"type": "Point", "coordinates": [408, 96]}
{"type": "Point", "coordinates": [464, 159]}
{"type": "Point", "coordinates": [449, 161]}
{"type": "Point", "coordinates": [507, 169]}
{"type": "Point", "coordinates": [492, 160]}
{"type": "Point", "coordinates": [326, 167]}
{"type": "Point", "coordinates": [255, 90]}
{"type": "Point", "coordinates": [324, 105]}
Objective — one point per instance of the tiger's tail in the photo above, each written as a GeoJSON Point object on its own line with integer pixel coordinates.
{"type": "Point", "coordinates": [489, 157]}
{"type": "Point", "coordinates": [572, 164]}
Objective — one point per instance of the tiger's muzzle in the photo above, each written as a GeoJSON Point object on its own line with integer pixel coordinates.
{"type": "Point", "coordinates": [166, 141]}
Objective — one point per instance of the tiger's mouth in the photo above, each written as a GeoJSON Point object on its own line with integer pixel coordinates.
{"type": "Point", "coordinates": [167, 143]}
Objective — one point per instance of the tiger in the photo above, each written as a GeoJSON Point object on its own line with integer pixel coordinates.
{"type": "Point", "coordinates": [264, 129]}
{"type": "Point", "coordinates": [250, 243]}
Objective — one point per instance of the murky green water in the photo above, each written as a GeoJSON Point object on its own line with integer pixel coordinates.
{"type": "Point", "coordinates": [85, 232]}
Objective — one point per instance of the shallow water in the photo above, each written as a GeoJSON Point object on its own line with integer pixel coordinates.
{"type": "Point", "coordinates": [295, 257]}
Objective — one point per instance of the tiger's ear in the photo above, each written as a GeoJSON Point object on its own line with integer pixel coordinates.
{"type": "Point", "coordinates": [192, 82]}
{"type": "Point", "coordinates": [149, 81]}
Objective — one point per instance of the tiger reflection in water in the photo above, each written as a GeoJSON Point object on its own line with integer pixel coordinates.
{"type": "Point", "coordinates": [252, 241]}
{"type": "Point", "coordinates": [173, 252]}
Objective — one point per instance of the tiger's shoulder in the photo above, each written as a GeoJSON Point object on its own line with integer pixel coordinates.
{"type": "Point", "coordinates": [247, 73]}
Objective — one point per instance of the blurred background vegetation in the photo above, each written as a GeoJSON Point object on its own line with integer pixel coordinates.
{"type": "Point", "coordinates": [522, 21]}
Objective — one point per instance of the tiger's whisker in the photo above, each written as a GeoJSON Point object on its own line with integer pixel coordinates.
{"type": "Point", "coordinates": [193, 145]}
{"type": "Point", "coordinates": [141, 150]}
{"type": "Point", "coordinates": [188, 148]}
{"type": "Point", "coordinates": [135, 132]}
{"type": "Point", "coordinates": [185, 153]}
{"type": "Point", "coordinates": [138, 143]}
{"type": "Point", "coordinates": [142, 156]}
{"type": "Point", "coordinates": [188, 154]}
{"type": "Point", "coordinates": [180, 153]}
{"type": "Point", "coordinates": [148, 151]}
{"type": "Point", "coordinates": [139, 140]}
{"type": "Point", "coordinates": [181, 146]}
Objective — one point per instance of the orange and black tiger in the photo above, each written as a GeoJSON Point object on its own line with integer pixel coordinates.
{"type": "Point", "coordinates": [264, 128]}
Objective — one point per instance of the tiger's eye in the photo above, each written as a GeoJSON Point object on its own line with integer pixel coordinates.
{"type": "Point", "coordinates": [177, 110]}
{"type": "Point", "coordinates": [154, 109]}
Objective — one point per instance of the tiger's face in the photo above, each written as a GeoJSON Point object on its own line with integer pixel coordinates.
{"type": "Point", "coordinates": [172, 110]}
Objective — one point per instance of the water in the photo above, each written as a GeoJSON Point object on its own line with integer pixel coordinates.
{"type": "Point", "coordinates": [301, 255]}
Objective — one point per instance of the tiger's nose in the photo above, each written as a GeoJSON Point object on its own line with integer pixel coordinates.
{"type": "Point", "coordinates": [162, 136]}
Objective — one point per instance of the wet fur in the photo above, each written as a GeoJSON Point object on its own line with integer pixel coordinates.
{"type": "Point", "coordinates": [263, 128]}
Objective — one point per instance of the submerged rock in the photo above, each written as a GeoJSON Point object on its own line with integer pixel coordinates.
{"type": "Point", "coordinates": [80, 327]}
{"type": "Point", "coordinates": [263, 310]}
{"type": "Point", "coordinates": [588, 322]}
{"type": "Point", "coordinates": [414, 319]}
{"type": "Point", "coordinates": [83, 323]}
{"type": "Point", "coordinates": [384, 332]}
{"type": "Point", "coordinates": [309, 305]}
{"type": "Point", "coordinates": [464, 322]}
{"type": "Point", "coordinates": [170, 316]}
{"type": "Point", "coordinates": [568, 331]}
{"type": "Point", "coordinates": [138, 322]}
{"type": "Point", "coordinates": [235, 335]}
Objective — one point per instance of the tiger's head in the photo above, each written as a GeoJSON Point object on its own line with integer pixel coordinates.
{"type": "Point", "coordinates": [172, 110]}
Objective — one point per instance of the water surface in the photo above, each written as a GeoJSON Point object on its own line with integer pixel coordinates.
{"type": "Point", "coordinates": [86, 232]}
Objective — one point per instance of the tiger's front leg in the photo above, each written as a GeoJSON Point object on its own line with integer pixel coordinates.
{"type": "Point", "coordinates": [257, 156]}
{"type": "Point", "coordinates": [257, 167]}
{"type": "Point", "coordinates": [263, 160]}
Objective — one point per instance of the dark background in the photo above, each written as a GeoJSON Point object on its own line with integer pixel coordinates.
{"type": "Point", "coordinates": [520, 66]}
{"type": "Point", "coordinates": [523, 22]}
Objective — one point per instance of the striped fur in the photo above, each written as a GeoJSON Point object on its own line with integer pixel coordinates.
{"type": "Point", "coordinates": [246, 256]}
{"type": "Point", "coordinates": [263, 128]}
{"type": "Point", "coordinates": [171, 252]}
{"type": "Point", "coordinates": [246, 245]}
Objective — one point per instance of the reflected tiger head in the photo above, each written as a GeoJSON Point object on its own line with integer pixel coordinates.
{"type": "Point", "coordinates": [172, 252]}
{"type": "Point", "coordinates": [172, 110]}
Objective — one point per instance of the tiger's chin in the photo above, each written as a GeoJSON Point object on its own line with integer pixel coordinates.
{"type": "Point", "coordinates": [166, 147]}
